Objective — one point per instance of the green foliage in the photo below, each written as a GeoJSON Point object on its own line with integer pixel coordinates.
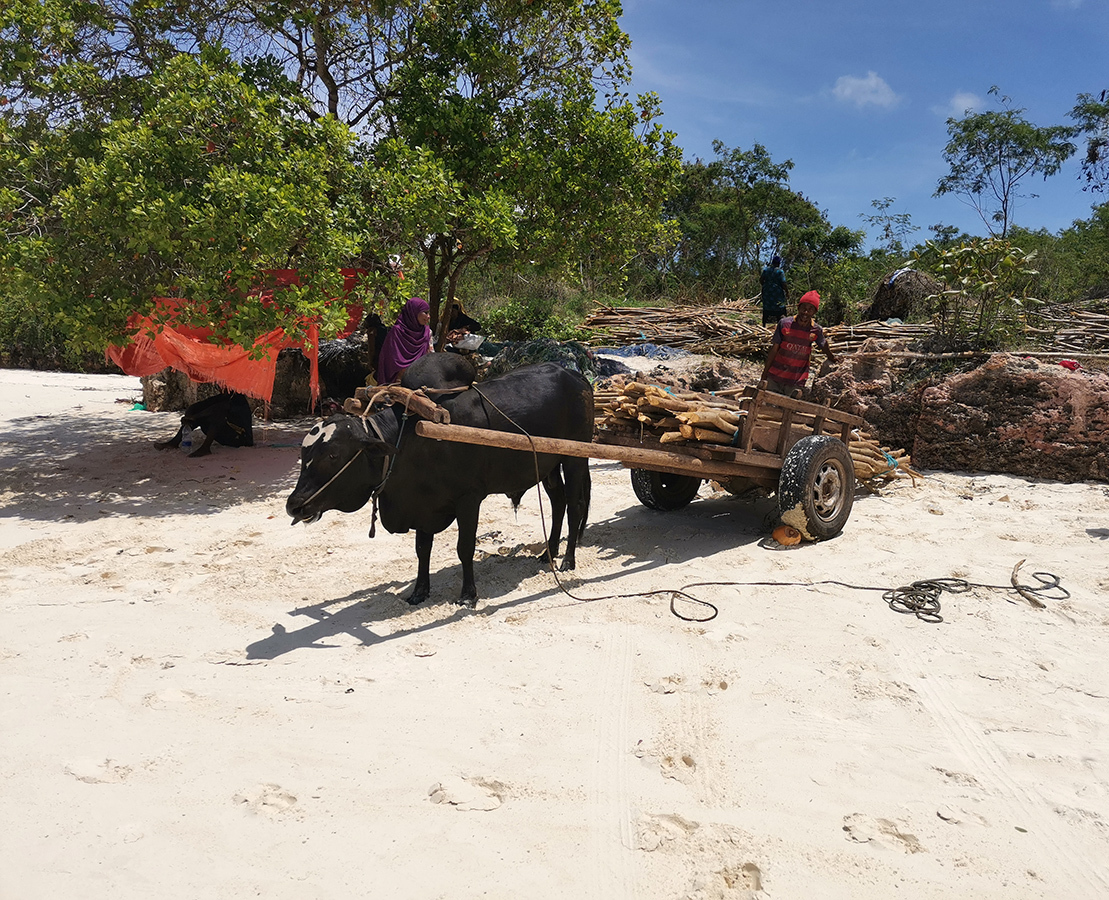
{"type": "Point", "coordinates": [893, 228]}
{"type": "Point", "coordinates": [28, 340]}
{"type": "Point", "coordinates": [209, 186]}
{"type": "Point", "coordinates": [847, 285]}
{"type": "Point", "coordinates": [536, 307]}
{"type": "Point", "coordinates": [733, 214]}
{"type": "Point", "coordinates": [489, 138]}
{"type": "Point", "coordinates": [541, 173]}
{"type": "Point", "coordinates": [991, 153]}
{"type": "Point", "coordinates": [985, 300]}
{"type": "Point", "coordinates": [1092, 115]}
{"type": "Point", "coordinates": [1073, 264]}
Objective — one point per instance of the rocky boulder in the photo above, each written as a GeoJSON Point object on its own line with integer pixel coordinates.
{"type": "Point", "coordinates": [1019, 416]}
{"type": "Point", "coordinates": [864, 385]}
{"type": "Point", "coordinates": [1011, 415]}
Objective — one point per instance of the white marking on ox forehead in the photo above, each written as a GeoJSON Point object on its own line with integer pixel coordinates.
{"type": "Point", "coordinates": [320, 433]}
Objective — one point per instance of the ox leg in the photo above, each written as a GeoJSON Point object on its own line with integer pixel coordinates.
{"type": "Point", "coordinates": [467, 516]}
{"type": "Point", "coordinates": [424, 540]}
{"type": "Point", "coordinates": [556, 491]}
{"type": "Point", "coordinates": [578, 489]}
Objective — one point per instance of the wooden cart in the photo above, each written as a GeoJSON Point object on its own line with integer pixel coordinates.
{"type": "Point", "coordinates": [792, 447]}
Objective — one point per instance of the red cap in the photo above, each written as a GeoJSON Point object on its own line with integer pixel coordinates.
{"type": "Point", "coordinates": [812, 298]}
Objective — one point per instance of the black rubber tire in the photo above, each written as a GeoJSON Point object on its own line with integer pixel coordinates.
{"type": "Point", "coordinates": [819, 478]}
{"type": "Point", "coordinates": [662, 490]}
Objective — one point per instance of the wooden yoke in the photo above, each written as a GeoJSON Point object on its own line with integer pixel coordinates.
{"type": "Point", "coordinates": [415, 402]}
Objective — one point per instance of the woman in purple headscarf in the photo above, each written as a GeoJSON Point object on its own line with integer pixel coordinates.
{"type": "Point", "coordinates": [406, 342]}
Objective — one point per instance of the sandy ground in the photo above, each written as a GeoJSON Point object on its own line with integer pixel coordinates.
{"type": "Point", "coordinates": [198, 701]}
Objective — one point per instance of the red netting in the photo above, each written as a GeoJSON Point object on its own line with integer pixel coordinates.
{"type": "Point", "coordinates": [190, 350]}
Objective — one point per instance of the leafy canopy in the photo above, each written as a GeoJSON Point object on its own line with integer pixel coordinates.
{"type": "Point", "coordinates": [485, 129]}
{"type": "Point", "coordinates": [211, 183]}
{"type": "Point", "coordinates": [985, 300]}
{"type": "Point", "coordinates": [737, 211]}
{"type": "Point", "coordinates": [991, 153]}
{"type": "Point", "coordinates": [1091, 112]}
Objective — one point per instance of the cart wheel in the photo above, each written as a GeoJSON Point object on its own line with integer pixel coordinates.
{"type": "Point", "coordinates": [816, 487]}
{"type": "Point", "coordinates": [662, 490]}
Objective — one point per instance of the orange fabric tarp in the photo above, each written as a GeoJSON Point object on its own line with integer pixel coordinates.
{"type": "Point", "coordinates": [190, 350]}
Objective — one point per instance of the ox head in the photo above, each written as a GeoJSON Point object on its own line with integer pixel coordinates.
{"type": "Point", "coordinates": [342, 462]}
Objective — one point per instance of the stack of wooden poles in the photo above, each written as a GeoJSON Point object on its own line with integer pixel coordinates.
{"type": "Point", "coordinates": [671, 416]}
{"type": "Point", "coordinates": [875, 461]}
{"type": "Point", "coordinates": [689, 417]}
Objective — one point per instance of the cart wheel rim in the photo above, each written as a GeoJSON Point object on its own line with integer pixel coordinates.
{"type": "Point", "coordinates": [828, 491]}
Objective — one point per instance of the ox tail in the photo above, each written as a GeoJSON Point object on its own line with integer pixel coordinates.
{"type": "Point", "coordinates": [586, 495]}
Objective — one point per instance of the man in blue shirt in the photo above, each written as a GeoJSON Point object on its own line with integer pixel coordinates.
{"type": "Point", "coordinates": [774, 292]}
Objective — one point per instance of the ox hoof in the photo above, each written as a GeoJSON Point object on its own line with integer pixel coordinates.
{"type": "Point", "coordinates": [568, 564]}
{"type": "Point", "coordinates": [469, 601]}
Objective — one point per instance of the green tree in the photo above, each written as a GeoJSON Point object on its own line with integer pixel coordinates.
{"type": "Point", "coordinates": [210, 185]}
{"type": "Point", "coordinates": [1092, 114]}
{"type": "Point", "coordinates": [1074, 263]}
{"type": "Point", "coordinates": [544, 171]}
{"type": "Point", "coordinates": [991, 153]}
{"type": "Point", "coordinates": [734, 213]}
{"type": "Point", "coordinates": [893, 228]}
{"type": "Point", "coordinates": [515, 108]}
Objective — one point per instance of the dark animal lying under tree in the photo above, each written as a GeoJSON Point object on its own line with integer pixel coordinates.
{"type": "Point", "coordinates": [425, 485]}
{"type": "Point", "coordinates": [225, 418]}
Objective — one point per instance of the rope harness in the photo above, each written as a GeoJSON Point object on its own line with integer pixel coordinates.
{"type": "Point", "coordinates": [388, 463]}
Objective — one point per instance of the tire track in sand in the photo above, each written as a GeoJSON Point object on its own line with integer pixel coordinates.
{"type": "Point", "coordinates": [1081, 876]}
{"type": "Point", "coordinates": [610, 833]}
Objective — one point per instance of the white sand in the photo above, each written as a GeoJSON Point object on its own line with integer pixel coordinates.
{"type": "Point", "coordinates": [198, 701]}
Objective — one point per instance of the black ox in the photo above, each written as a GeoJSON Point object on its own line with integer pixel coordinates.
{"type": "Point", "coordinates": [225, 418]}
{"type": "Point", "coordinates": [426, 485]}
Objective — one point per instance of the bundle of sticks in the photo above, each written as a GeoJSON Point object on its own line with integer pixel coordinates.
{"type": "Point", "coordinates": [875, 461]}
{"type": "Point", "coordinates": [674, 417]}
{"type": "Point", "coordinates": [672, 326]}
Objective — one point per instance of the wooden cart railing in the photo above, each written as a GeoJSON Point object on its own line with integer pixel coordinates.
{"type": "Point", "coordinates": [772, 425]}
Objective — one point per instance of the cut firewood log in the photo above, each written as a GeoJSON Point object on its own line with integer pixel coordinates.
{"type": "Point", "coordinates": [661, 401]}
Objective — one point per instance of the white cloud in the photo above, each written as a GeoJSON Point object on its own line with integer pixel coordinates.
{"type": "Point", "coordinates": [957, 106]}
{"type": "Point", "coordinates": [869, 91]}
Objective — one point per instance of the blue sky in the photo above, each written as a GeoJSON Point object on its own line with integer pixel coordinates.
{"type": "Point", "coordinates": [857, 92]}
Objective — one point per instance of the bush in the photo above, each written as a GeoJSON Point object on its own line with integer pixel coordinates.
{"type": "Point", "coordinates": [984, 302]}
{"type": "Point", "coordinates": [30, 340]}
{"type": "Point", "coordinates": [514, 308]}
{"type": "Point", "coordinates": [522, 319]}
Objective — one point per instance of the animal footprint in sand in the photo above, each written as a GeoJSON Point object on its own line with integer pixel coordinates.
{"type": "Point", "coordinates": [101, 771]}
{"type": "Point", "coordinates": [467, 794]}
{"type": "Point", "coordinates": [738, 881]}
{"type": "Point", "coordinates": [168, 698]}
{"type": "Point", "coordinates": [863, 829]}
{"type": "Point", "coordinates": [267, 799]}
{"type": "Point", "coordinates": [679, 767]}
{"type": "Point", "coordinates": [653, 831]}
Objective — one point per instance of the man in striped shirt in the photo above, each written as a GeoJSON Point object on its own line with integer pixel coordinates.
{"type": "Point", "coordinates": [787, 366]}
